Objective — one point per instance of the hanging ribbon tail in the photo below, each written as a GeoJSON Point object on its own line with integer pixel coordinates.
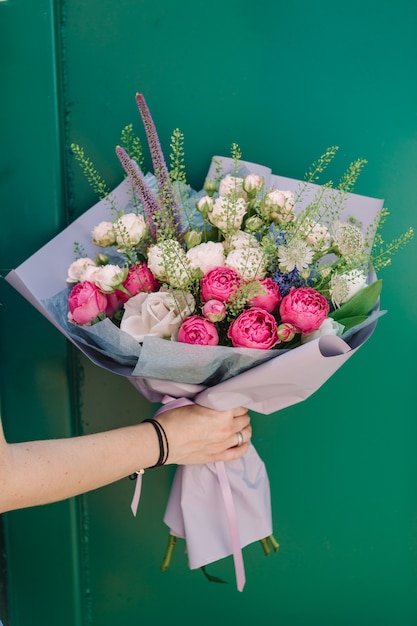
{"type": "Point", "coordinates": [169, 403]}
{"type": "Point", "coordinates": [233, 524]}
{"type": "Point", "coordinates": [136, 495]}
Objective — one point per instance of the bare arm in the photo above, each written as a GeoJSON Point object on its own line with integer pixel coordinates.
{"type": "Point", "coordinates": [39, 472]}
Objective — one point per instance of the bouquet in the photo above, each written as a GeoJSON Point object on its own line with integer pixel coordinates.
{"type": "Point", "coordinates": [250, 292]}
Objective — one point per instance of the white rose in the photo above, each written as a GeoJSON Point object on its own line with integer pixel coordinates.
{"type": "Point", "coordinates": [205, 256]}
{"type": "Point", "coordinates": [103, 235]}
{"type": "Point", "coordinates": [77, 270]}
{"type": "Point", "coordinates": [327, 327]}
{"type": "Point", "coordinates": [231, 184]}
{"type": "Point", "coordinates": [108, 277]}
{"type": "Point", "coordinates": [169, 264]}
{"type": "Point", "coordinates": [227, 214]}
{"type": "Point", "coordinates": [159, 314]}
{"type": "Point", "coordinates": [130, 230]}
{"type": "Point", "coordinates": [344, 286]}
{"type": "Point", "coordinates": [249, 263]}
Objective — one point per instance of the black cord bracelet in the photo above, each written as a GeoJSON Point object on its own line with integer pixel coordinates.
{"type": "Point", "coordinates": [162, 440]}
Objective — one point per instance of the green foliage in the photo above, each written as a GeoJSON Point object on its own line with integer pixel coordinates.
{"type": "Point", "coordinates": [132, 144]}
{"type": "Point", "coordinates": [382, 252]}
{"type": "Point", "coordinates": [177, 162]}
{"type": "Point", "coordinates": [90, 172]}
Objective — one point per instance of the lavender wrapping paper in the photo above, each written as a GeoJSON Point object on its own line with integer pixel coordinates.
{"type": "Point", "coordinates": [216, 377]}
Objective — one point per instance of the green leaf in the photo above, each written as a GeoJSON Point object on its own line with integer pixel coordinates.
{"type": "Point", "coordinates": [350, 322]}
{"type": "Point", "coordinates": [361, 304]}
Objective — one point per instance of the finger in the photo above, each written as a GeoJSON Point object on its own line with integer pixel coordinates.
{"type": "Point", "coordinates": [238, 411]}
{"type": "Point", "coordinates": [241, 437]}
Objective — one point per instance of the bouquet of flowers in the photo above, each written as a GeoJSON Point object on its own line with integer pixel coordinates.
{"type": "Point", "coordinates": [250, 292]}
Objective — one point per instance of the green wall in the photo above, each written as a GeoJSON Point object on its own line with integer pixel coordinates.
{"type": "Point", "coordinates": [284, 80]}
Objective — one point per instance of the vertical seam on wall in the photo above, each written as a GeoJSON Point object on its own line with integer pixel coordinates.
{"type": "Point", "coordinates": [79, 511]}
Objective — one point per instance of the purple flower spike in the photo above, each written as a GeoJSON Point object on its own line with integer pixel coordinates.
{"type": "Point", "coordinates": [160, 169]}
{"type": "Point", "coordinates": [147, 198]}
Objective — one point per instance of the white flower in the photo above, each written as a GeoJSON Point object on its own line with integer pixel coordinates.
{"type": "Point", "coordinates": [297, 254]}
{"type": "Point", "coordinates": [317, 235]}
{"type": "Point", "coordinates": [349, 239]}
{"type": "Point", "coordinates": [169, 264]}
{"type": "Point", "coordinates": [241, 240]}
{"type": "Point", "coordinates": [205, 256]}
{"type": "Point", "coordinates": [108, 277]}
{"type": "Point", "coordinates": [231, 185]}
{"type": "Point", "coordinates": [249, 263]}
{"type": "Point", "coordinates": [205, 204]}
{"type": "Point", "coordinates": [279, 206]}
{"type": "Point", "coordinates": [344, 286]}
{"type": "Point", "coordinates": [130, 230]}
{"type": "Point", "coordinates": [253, 183]}
{"type": "Point", "coordinates": [77, 270]}
{"type": "Point", "coordinates": [327, 327]}
{"type": "Point", "coordinates": [103, 234]}
{"type": "Point", "coordinates": [227, 213]}
{"type": "Point", "coordinates": [159, 314]}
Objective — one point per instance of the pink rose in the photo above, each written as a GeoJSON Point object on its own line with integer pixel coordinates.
{"type": "Point", "coordinates": [269, 295]}
{"type": "Point", "coordinates": [304, 307]}
{"type": "Point", "coordinates": [214, 310]}
{"type": "Point", "coordinates": [139, 278]}
{"type": "Point", "coordinates": [219, 284]}
{"type": "Point", "coordinates": [85, 302]}
{"type": "Point", "coordinates": [254, 328]}
{"type": "Point", "coordinates": [198, 331]}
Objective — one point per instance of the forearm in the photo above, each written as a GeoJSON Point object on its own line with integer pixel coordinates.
{"type": "Point", "coordinates": [40, 472]}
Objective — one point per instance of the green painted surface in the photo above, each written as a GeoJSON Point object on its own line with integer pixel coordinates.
{"type": "Point", "coordinates": [284, 80]}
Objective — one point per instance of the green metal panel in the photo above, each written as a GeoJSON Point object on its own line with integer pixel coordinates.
{"type": "Point", "coordinates": [284, 80]}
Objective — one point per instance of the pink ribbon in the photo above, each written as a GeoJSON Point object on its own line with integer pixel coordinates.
{"type": "Point", "coordinates": [173, 403]}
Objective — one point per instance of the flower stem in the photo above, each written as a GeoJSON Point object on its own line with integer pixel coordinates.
{"type": "Point", "coordinates": [168, 553]}
{"type": "Point", "coordinates": [269, 542]}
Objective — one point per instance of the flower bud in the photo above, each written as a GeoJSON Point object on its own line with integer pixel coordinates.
{"type": "Point", "coordinates": [101, 259]}
{"type": "Point", "coordinates": [286, 332]}
{"type": "Point", "coordinates": [214, 311]}
{"type": "Point", "coordinates": [252, 184]}
{"type": "Point", "coordinates": [253, 224]}
{"type": "Point", "coordinates": [205, 205]}
{"type": "Point", "coordinates": [192, 238]}
{"type": "Point", "coordinates": [210, 186]}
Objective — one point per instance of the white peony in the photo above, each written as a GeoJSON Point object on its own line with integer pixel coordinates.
{"type": "Point", "coordinates": [169, 264]}
{"type": "Point", "coordinates": [249, 263]}
{"type": "Point", "coordinates": [108, 277]}
{"type": "Point", "coordinates": [227, 214]}
{"type": "Point", "coordinates": [241, 240]}
{"type": "Point", "coordinates": [159, 314]}
{"type": "Point", "coordinates": [205, 256]}
{"type": "Point", "coordinates": [103, 234]}
{"type": "Point", "coordinates": [130, 230]}
{"type": "Point", "coordinates": [77, 269]}
{"type": "Point", "coordinates": [231, 185]}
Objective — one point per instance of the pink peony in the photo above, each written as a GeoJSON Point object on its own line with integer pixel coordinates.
{"type": "Point", "coordinates": [269, 295]}
{"type": "Point", "coordinates": [286, 332]}
{"type": "Point", "coordinates": [304, 307]}
{"type": "Point", "coordinates": [198, 331]}
{"type": "Point", "coordinates": [219, 284]}
{"type": "Point", "coordinates": [254, 328]}
{"type": "Point", "coordinates": [214, 310]}
{"type": "Point", "coordinates": [85, 302]}
{"type": "Point", "coordinates": [139, 278]}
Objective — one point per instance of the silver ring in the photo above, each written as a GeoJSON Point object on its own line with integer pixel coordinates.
{"type": "Point", "coordinates": [240, 439]}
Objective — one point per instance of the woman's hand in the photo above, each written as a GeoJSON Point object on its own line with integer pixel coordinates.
{"type": "Point", "coordinates": [197, 435]}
